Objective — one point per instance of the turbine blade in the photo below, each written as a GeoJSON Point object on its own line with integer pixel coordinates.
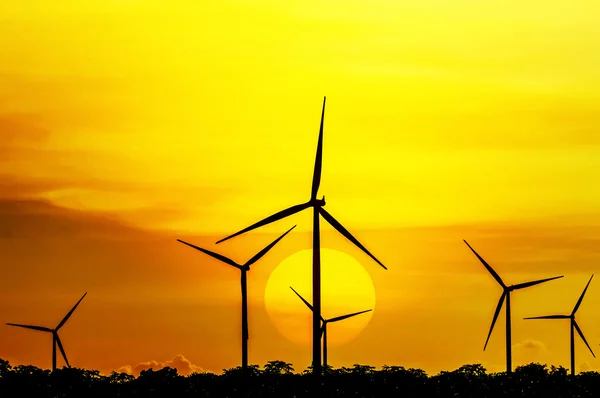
{"type": "Point", "coordinates": [339, 318]}
{"type": "Point", "coordinates": [549, 317]}
{"type": "Point", "coordinates": [340, 228]}
{"type": "Point", "coordinates": [322, 330]}
{"type": "Point", "coordinates": [319, 158]}
{"type": "Point", "coordinates": [62, 350]}
{"type": "Point", "coordinates": [275, 217]}
{"type": "Point", "coordinates": [487, 266]}
{"type": "Point", "coordinates": [40, 328]}
{"type": "Point", "coordinates": [70, 313]}
{"type": "Point", "coordinates": [498, 308]}
{"type": "Point", "coordinates": [581, 297]}
{"type": "Point", "coordinates": [302, 298]}
{"type": "Point", "coordinates": [528, 284]}
{"type": "Point", "coordinates": [266, 249]}
{"type": "Point", "coordinates": [213, 254]}
{"type": "Point", "coordinates": [583, 337]}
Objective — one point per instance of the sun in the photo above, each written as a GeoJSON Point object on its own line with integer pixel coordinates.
{"type": "Point", "coordinates": [345, 288]}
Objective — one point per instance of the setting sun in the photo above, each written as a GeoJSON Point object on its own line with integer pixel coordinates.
{"type": "Point", "coordinates": [346, 288]}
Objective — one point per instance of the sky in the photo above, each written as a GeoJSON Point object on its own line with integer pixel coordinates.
{"type": "Point", "coordinates": [126, 125]}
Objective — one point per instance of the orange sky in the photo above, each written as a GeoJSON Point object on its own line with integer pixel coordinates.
{"type": "Point", "coordinates": [126, 125]}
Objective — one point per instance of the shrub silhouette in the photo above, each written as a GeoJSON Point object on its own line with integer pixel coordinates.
{"type": "Point", "coordinates": [277, 379]}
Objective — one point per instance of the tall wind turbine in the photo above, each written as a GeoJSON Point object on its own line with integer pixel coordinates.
{"type": "Point", "coordinates": [506, 295]}
{"type": "Point", "coordinates": [317, 205]}
{"type": "Point", "coordinates": [574, 326]}
{"type": "Point", "coordinates": [325, 322]}
{"type": "Point", "coordinates": [55, 338]}
{"type": "Point", "coordinates": [244, 268]}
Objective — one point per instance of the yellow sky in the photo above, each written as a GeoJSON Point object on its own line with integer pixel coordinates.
{"type": "Point", "coordinates": [141, 122]}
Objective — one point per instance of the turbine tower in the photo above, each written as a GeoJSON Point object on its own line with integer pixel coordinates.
{"type": "Point", "coordinates": [318, 209]}
{"type": "Point", "coordinates": [506, 295]}
{"type": "Point", "coordinates": [574, 326]}
{"type": "Point", "coordinates": [244, 268]}
{"type": "Point", "coordinates": [325, 322]}
{"type": "Point", "coordinates": [55, 338]}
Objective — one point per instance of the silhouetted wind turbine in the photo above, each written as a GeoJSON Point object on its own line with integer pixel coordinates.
{"type": "Point", "coordinates": [244, 268]}
{"type": "Point", "coordinates": [325, 322]}
{"type": "Point", "coordinates": [55, 338]}
{"type": "Point", "coordinates": [574, 326]}
{"type": "Point", "coordinates": [317, 205]}
{"type": "Point", "coordinates": [506, 295]}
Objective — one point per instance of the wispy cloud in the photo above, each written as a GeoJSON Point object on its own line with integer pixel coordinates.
{"type": "Point", "coordinates": [179, 362]}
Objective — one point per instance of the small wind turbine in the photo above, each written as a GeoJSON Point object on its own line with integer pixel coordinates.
{"type": "Point", "coordinates": [506, 295]}
{"type": "Point", "coordinates": [318, 209]}
{"type": "Point", "coordinates": [325, 322]}
{"type": "Point", "coordinates": [55, 338]}
{"type": "Point", "coordinates": [244, 268]}
{"type": "Point", "coordinates": [574, 327]}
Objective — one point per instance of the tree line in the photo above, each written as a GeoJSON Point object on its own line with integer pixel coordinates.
{"type": "Point", "coordinates": [278, 379]}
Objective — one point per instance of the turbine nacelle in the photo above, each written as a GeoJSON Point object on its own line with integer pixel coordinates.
{"type": "Point", "coordinates": [227, 260]}
{"type": "Point", "coordinates": [317, 202]}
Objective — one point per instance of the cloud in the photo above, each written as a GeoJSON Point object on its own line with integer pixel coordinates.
{"type": "Point", "coordinates": [35, 219]}
{"type": "Point", "coordinates": [494, 367]}
{"type": "Point", "coordinates": [530, 347]}
{"type": "Point", "coordinates": [67, 248]}
{"type": "Point", "coordinates": [125, 369]}
{"type": "Point", "coordinates": [539, 246]}
{"type": "Point", "coordinates": [91, 178]}
{"type": "Point", "coordinates": [528, 351]}
{"type": "Point", "coordinates": [101, 104]}
{"type": "Point", "coordinates": [21, 128]}
{"type": "Point", "coordinates": [586, 367]}
{"type": "Point", "coordinates": [181, 363]}
{"type": "Point", "coordinates": [32, 167]}
{"type": "Point", "coordinates": [21, 133]}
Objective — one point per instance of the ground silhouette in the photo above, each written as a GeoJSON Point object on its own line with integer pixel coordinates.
{"type": "Point", "coordinates": [278, 379]}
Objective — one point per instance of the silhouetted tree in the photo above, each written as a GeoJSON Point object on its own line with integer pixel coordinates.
{"type": "Point", "coordinates": [163, 382]}
{"type": "Point", "coordinates": [5, 374]}
{"type": "Point", "coordinates": [278, 368]}
{"type": "Point", "coordinates": [28, 380]}
{"type": "Point", "coordinates": [253, 370]}
{"type": "Point", "coordinates": [120, 378]}
{"type": "Point", "coordinates": [363, 369]}
{"type": "Point", "coordinates": [475, 370]}
{"type": "Point", "coordinates": [5, 368]}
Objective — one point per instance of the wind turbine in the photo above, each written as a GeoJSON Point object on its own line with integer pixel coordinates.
{"type": "Point", "coordinates": [574, 327]}
{"type": "Point", "coordinates": [506, 295]}
{"type": "Point", "coordinates": [55, 338]}
{"type": "Point", "coordinates": [244, 268]}
{"type": "Point", "coordinates": [317, 205]}
{"type": "Point", "coordinates": [325, 322]}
